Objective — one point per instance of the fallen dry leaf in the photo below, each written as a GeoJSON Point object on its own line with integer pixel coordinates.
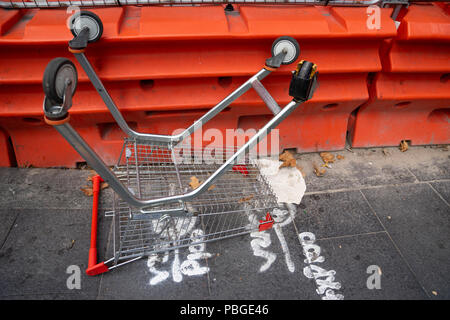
{"type": "Point", "coordinates": [91, 175]}
{"type": "Point", "coordinates": [246, 199]}
{"type": "Point", "coordinates": [403, 146]}
{"type": "Point", "coordinates": [211, 187]}
{"type": "Point", "coordinates": [319, 172]}
{"type": "Point", "coordinates": [288, 160]}
{"type": "Point", "coordinates": [194, 182]}
{"type": "Point", "coordinates": [327, 157]}
{"type": "Point", "coordinates": [340, 157]}
{"type": "Point", "coordinates": [87, 190]}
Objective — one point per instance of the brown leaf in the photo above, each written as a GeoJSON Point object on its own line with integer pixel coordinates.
{"type": "Point", "coordinates": [91, 175]}
{"type": "Point", "coordinates": [288, 159]}
{"type": "Point", "coordinates": [246, 199]}
{"type": "Point", "coordinates": [327, 157]}
{"type": "Point", "coordinates": [403, 146]}
{"type": "Point", "coordinates": [87, 191]}
{"type": "Point", "coordinates": [211, 187]}
{"type": "Point", "coordinates": [319, 172]}
{"type": "Point", "coordinates": [104, 185]}
{"type": "Point", "coordinates": [194, 182]}
{"type": "Point", "coordinates": [340, 157]}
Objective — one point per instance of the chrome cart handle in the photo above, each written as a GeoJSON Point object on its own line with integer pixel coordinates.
{"type": "Point", "coordinates": [173, 139]}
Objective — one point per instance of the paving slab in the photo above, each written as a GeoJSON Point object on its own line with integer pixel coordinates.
{"type": "Point", "coordinates": [419, 223]}
{"type": "Point", "coordinates": [7, 218]}
{"type": "Point", "coordinates": [442, 188]}
{"type": "Point", "coordinates": [40, 247]}
{"type": "Point", "coordinates": [238, 274]}
{"type": "Point", "coordinates": [336, 214]}
{"type": "Point", "coordinates": [350, 257]}
{"type": "Point", "coordinates": [360, 168]}
{"type": "Point", "coordinates": [428, 169]}
{"type": "Point", "coordinates": [136, 281]}
{"type": "Point", "coordinates": [49, 188]}
{"type": "Point", "coordinates": [376, 167]}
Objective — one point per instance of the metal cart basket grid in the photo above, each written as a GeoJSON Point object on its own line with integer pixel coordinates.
{"type": "Point", "coordinates": [232, 206]}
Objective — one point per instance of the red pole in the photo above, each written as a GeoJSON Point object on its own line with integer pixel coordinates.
{"type": "Point", "coordinates": [93, 267]}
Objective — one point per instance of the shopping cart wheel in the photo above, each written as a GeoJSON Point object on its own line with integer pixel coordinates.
{"type": "Point", "coordinates": [86, 19]}
{"type": "Point", "coordinates": [290, 45]}
{"type": "Point", "coordinates": [58, 73]}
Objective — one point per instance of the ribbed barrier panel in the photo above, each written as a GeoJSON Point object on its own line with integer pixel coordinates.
{"type": "Point", "coordinates": [410, 98]}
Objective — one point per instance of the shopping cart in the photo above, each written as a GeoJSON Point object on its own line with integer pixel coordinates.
{"type": "Point", "coordinates": [165, 186]}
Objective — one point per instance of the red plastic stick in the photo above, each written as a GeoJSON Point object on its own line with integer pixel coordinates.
{"type": "Point", "coordinates": [95, 268]}
{"type": "Point", "coordinates": [240, 168]}
{"type": "Point", "coordinates": [267, 223]}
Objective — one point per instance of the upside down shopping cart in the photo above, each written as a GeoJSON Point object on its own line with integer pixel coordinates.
{"type": "Point", "coordinates": [156, 207]}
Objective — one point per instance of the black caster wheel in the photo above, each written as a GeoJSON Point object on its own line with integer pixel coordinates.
{"type": "Point", "coordinates": [86, 19]}
{"type": "Point", "coordinates": [306, 70]}
{"type": "Point", "coordinates": [58, 73]}
{"type": "Point", "coordinates": [289, 45]}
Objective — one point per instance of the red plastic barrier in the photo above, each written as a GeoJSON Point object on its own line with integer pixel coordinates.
{"type": "Point", "coordinates": [410, 100]}
{"type": "Point", "coordinates": [5, 151]}
{"type": "Point", "coordinates": [405, 108]}
{"type": "Point", "coordinates": [166, 66]}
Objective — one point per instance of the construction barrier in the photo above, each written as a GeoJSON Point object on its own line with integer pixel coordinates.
{"type": "Point", "coordinates": [6, 152]}
{"type": "Point", "coordinates": [166, 66]}
{"type": "Point", "coordinates": [410, 98]}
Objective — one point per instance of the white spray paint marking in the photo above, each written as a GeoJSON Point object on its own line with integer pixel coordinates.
{"type": "Point", "coordinates": [262, 241]}
{"type": "Point", "coordinates": [159, 275]}
{"type": "Point", "coordinates": [189, 267]}
{"type": "Point", "coordinates": [278, 216]}
{"type": "Point", "coordinates": [289, 187]}
{"type": "Point", "coordinates": [324, 279]}
{"type": "Point", "coordinates": [176, 274]}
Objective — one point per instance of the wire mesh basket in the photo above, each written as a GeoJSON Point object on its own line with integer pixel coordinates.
{"type": "Point", "coordinates": [235, 204]}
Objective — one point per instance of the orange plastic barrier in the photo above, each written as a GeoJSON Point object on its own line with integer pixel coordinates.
{"type": "Point", "coordinates": [6, 154]}
{"type": "Point", "coordinates": [410, 99]}
{"type": "Point", "coordinates": [166, 66]}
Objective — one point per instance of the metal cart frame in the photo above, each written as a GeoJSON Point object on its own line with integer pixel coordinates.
{"type": "Point", "coordinates": [154, 210]}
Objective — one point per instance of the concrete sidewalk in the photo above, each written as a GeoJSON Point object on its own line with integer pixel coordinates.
{"type": "Point", "coordinates": [376, 207]}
